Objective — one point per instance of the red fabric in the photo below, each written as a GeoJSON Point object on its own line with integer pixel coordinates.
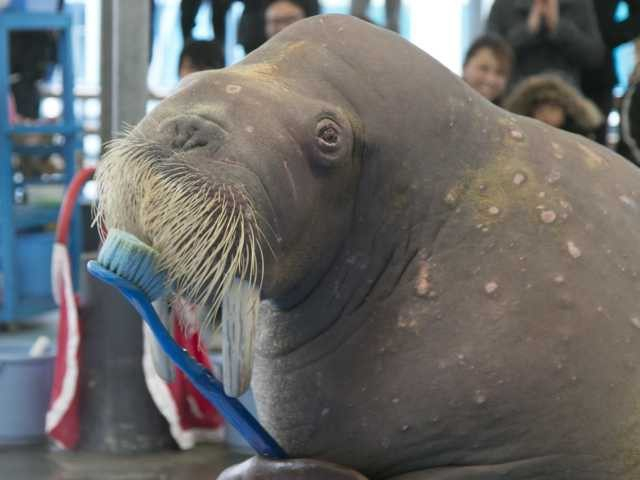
{"type": "Point", "coordinates": [67, 431]}
{"type": "Point", "coordinates": [63, 421]}
{"type": "Point", "coordinates": [63, 418]}
{"type": "Point", "coordinates": [61, 360]}
{"type": "Point", "coordinates": [194, 410]}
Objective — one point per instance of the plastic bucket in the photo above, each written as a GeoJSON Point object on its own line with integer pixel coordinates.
{"type": "Point", "coordinates": [25, 388]}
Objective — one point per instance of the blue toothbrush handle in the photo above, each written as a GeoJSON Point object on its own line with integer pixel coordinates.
{"type": "Point", "coordinates": [233, 411]}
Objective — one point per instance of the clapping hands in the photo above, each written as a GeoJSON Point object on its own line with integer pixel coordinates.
{"type": "Point", "coordinates": [543, 11]}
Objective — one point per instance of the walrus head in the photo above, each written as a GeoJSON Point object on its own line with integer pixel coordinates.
{"type": "Point", "coordinates": [295, 176]}
{"type": "Point", "coordinates": [244, 195]}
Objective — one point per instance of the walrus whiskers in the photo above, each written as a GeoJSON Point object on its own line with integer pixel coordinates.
{"type": "Point", "coordinates": [206, 250]}
{"type": "Point", "coordinates": [207, 236]}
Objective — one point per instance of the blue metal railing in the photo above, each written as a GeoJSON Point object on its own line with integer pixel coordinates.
{"type": "Point", "coordinates": [13, 218]}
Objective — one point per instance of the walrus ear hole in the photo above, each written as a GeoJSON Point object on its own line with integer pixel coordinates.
{"type": "Point", "coordinates": [328, 138]}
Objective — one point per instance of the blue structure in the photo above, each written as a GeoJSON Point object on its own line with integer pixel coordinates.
{"type": "Point", "coordinates": [25, 256]}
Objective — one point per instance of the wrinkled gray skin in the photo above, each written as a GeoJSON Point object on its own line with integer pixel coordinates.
{"type": "Point", "coordinates": [455, 293]}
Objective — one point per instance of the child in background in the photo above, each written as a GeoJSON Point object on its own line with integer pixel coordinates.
{"type": "Point", "coordinates": [552, 100]}
{"type": "Point", "coordinates": [200, 55]}
{"type": "Point", "coordinates": [487, 66]}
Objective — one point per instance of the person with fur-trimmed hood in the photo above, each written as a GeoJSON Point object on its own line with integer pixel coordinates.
{"type": "Point", "coordinates": [549, 98]}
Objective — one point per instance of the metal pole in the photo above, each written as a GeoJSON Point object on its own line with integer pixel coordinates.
{"type": "Point", "coordinates": [125, 49]}
{"type": "Point", "coordinates": [106, 60]}
{"type": "Point", "coordinates": [7, 237]}
{"type": "Point", "coordinates": [118, 414]}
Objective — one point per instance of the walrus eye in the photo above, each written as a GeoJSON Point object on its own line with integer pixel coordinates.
{"type": "Point", "coordinates": [328, 135]}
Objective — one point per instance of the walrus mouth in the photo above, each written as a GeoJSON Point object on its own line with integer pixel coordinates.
{"type": "Point", "coordinates": [207, 235]}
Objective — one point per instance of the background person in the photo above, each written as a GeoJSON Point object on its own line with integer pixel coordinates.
{"type": "Point", "coordinates": [549, 35]}
{"type": "Point", "coordinates": [598, 83]}
{"type": "Point", "coordinates": [251, 28]}
{"type": "Point", "coordinates": [552, 100]}
{"type": "Point", "coordinates": [189, 11]}
{"type": "Point", "coordinates": [280, 14]}
{"type": "Point", "coordinates": [198, 55]}
{"type": "Point", "coordinates": [487, 66]}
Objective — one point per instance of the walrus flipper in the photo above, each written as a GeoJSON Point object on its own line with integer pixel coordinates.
{"type": "Point", "coordinates": [258, 468]}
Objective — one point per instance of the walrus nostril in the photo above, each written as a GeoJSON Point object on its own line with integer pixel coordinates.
{"type": "Point", "coordinates": [187, 132]}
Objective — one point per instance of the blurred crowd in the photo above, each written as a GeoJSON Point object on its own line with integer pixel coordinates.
{"type": "Point", "coordinates": [260, 20]}
{"type": "Point", "coordinates": [552, 60]}
{"type": "Point", "coordinates": [547, 59]}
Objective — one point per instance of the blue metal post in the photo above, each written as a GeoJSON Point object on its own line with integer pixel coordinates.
{"type": "Point", "coordinates": [7, 239]}
{"type": "Point", "coordinates": [70, 137]}
{"type": "Point", "coordinates": [14, 304]}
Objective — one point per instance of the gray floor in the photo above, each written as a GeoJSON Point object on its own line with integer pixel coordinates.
{"type": "Point", "coordinates": [38, 463]}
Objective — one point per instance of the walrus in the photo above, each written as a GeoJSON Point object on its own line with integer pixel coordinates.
{"type": "Point", "coordinates": [448, 290]}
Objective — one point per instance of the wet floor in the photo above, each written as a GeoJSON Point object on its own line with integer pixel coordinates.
{"type": "Point", "coordinates": [204, 462]}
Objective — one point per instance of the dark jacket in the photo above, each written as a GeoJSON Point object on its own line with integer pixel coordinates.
{"type": "Point", "coordinates": [600, 81]}
{"type": "Point", "coordinates": [251, 27]}
{"type": "Point", "coordinates": [251, 32]}
{"type": "Point", "coordinates": [575, 45]}
{"type": "Point", "coordinates": [583, 116]}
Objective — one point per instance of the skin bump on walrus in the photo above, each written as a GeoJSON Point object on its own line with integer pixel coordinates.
{"type": "Point", "coordinates": [425, 286]}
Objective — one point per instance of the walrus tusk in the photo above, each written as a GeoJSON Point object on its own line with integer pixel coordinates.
{"type": "Point", "coordinates": [239, 314]}
{"type": "Point", "coordinates": [161, 362]}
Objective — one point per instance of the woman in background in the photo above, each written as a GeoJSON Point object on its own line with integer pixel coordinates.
{"type": "Point", "coordinates": [487, 66]}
